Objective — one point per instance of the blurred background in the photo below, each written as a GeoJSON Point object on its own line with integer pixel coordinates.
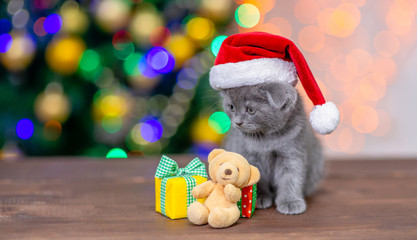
{"type": "Point", "coordinates": [119, 78]}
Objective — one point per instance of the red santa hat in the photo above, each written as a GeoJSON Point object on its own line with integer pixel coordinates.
{"type": "Point", "coordinates": [246, 59]}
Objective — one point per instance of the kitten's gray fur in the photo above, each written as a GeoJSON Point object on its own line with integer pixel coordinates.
{"type": "Point", "coordinates": [276, 137]}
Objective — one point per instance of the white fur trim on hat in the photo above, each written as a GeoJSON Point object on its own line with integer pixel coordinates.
{"type": "Point", "coordinates": [252, 72]}
{"type": "Point", "coordinates": [324, 118]}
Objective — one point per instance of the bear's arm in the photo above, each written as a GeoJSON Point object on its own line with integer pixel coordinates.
{"type": "Point", "coordinates": [203, 190]}
{"type": "Point", "coordinates": [232, 193]}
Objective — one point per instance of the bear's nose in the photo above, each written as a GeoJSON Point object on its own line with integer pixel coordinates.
{"type": "Point", "coordinates": [228, 172]}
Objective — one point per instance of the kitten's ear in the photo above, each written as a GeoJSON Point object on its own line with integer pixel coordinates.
{"type": "Point", "coordinates": [279, 96]}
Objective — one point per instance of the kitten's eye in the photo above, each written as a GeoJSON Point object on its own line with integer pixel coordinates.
{"type": "Point", "coordinates": [251, 111]}
{"type": "Point", "coordinates": [232, 108]}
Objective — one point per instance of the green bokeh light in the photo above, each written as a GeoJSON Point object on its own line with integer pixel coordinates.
{"type": "Point", "coordinates": [130, 64]}
{"type": "Point", "coordinates": [220, 122]}
{"type": "Point", "coordinates": [216, 43]}
{"type": "Point", "coordinates": [112, 124]}
{"type": "Point", "coordinates": [124, 50]}
{"type": "Point", "coordinates": [90, 61]}
{"type": "Point", "coordinates": [247, 15]}
{"type": "Point", "coordinates": [116, 153]}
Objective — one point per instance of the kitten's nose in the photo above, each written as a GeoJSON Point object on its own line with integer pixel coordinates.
{"type": "Point", "coordinates": [239, 123]}
{"type": "Point", "coordinates": [228, 172]}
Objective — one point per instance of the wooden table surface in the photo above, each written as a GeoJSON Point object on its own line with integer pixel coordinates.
{"type": "Point", "coordinates": [80, 198]}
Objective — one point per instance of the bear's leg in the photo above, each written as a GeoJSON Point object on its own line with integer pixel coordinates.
{"type": "Point", "coordinates": [223, 217]}
{"type": "Point", "coordinates": [197, 213]}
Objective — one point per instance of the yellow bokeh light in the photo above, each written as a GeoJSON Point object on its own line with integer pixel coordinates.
{"type": "Point", "coordinates": [52, 106]}
{"type": "Point", "coordinates": [143, 25]}
{"type": "Point", "coordinates": [112, 105]}
{"type": "Point", "coordinates": [365, 119]}
{"type": "Point", "coordinates": [202, 132]}
{"type": "Point", "coordinates": [247, 15]}
{"type": "Point", "coordinates": [201, 29]}
{"type": "Point", "coordinates": [311, 38]}
{"type": "Point", "coordinates": [216, 9]}
{"type": "Point", "coordinates": [340, 22]}
{"type": "Point", "coordinates": [63, 54]}
{"type": "Point", "coordinates": [112, 15]}
{"type": "Point", "coordinates": [20, 53]}
{"type": "Point", "coordinates": [136, 135]}
{"type": "Point", "coordinates": [74, 20]}
{"type": "Point", "coordinates": [386, 43]}
{"type": "Point", "coordinates": [181, 47]}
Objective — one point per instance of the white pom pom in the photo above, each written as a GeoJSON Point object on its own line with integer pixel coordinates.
{"type": "Point", "coordinates": [324, 118]}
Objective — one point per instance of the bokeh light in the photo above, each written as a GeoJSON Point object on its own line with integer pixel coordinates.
{"type": "Point", "coordinates": [187, 78]}
{"type": "Point", "coordinates": [52, 130]}
{"type": "Point", "coordinates": [63, 54]}
{"type": "Point", "coordinates": [202, 132]}
{"type": "Point", "coordinates": [306, 11]}
{"type": "Point", "coordinates": [160, 60]}
{"type": "Point", "coordinates": [52, 23]}
{"type": "Point", "coordinates": [219, 122]}
{"type": "Point", "coordinates": [386, 43]}
{"type": "Point", "coordinates": [6, 42]}
{"type": "Point", "coordinates": [5, 26]}
{"type": "Point", "coordinates": [216, 44]}
{"type": "Point", "coordinates": [90, 60]}
{"type": "Point", "coordinates": [74, 19]}
{"type": "Point", "coordinates": [52, 105]}
{"type": "Point", "coordinates": [143, 24]}
{"type": "Point", "coordinates": [159, 36]}
{"type": "Point", "coordinates": [365, 119]}
{"type": "Point", "coordinates": [151, 130]}
{"type": "Point", "coordinates": [359, 62]}
{"type": "Point", "coordinates": [20, 18]}
{"type": "Point", "coordinates": [21, 52]}
{"type": "Point", "coordinates": [25, 128]}
{"type": "Point", "coordinates": [181, 47]}
{"type": "Point", "coordinates": [311, 38]}
{"type": "Point", "coordinates": [247, 15]}
{"type": "Point", "coordinates": [112, 15]}
{"type": "Point", "coordinates": [116, 153]}
{"type": "Point", "coordinates": [123, 44]}
{"type": "Point", "coordinates": [112, 124]}
{"type": "Point", "coordinates": [200, 28]}
{"type": "Point", "coordinates": [130, 65]}
{"type": "Point", "coordinates": [38, 27]}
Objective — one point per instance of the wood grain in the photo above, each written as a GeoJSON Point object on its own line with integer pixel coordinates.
{"type": "Point", "coordinates": [80, 198]}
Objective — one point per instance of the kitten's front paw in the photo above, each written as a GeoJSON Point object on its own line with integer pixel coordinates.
{"type": "Point", "coordinates": [264, 202]}
{"type": "Point", "coordinates": [291, 207]}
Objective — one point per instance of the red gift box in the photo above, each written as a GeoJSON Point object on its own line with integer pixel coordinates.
{"type": "Point", "coordinates": [247, 202]}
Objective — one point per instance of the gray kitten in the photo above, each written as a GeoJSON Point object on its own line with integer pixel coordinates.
{"type": "Point", "coordinates": [271, 130]}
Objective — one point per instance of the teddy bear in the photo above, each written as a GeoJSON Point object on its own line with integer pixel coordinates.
{"type": "Point", "coordinates": [229, 172]}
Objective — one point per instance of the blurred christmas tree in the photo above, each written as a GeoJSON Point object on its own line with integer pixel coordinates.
{"type": "Point", "coordinates": [109, 77]}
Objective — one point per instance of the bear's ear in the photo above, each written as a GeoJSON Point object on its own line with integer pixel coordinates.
{"type": "Point", "coordinates": [214, 153]}
{"type": "Point", "coordinates": [255, 175]}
